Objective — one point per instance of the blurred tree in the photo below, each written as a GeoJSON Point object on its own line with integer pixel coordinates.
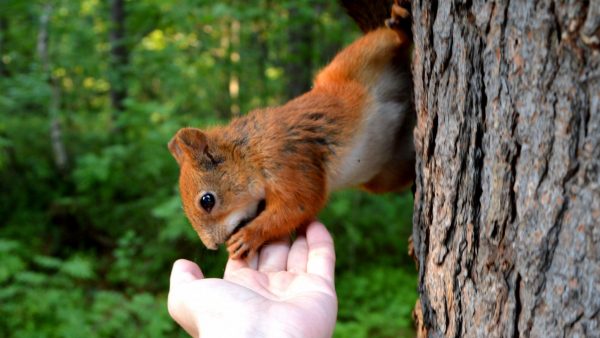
{"type": "Point", "coordinates": [3, 42]}
{"type": "Point", "coordinates": [299, 68]}
{"type": "Point", "coordinates": [234, 67]}
{"type": "Point", "coordinates": [262, 47]}
{"type": "Point", "coordinates": [119, 56]}
{"type": "Point", "coordinates": [56, 138]}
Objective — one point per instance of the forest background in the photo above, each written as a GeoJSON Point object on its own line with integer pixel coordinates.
{"type": "Point", "coordinates": [90, 217]}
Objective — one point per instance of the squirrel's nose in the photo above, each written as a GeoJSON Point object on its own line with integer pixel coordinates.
{"type": "Point", "coordinates": [208, 242]}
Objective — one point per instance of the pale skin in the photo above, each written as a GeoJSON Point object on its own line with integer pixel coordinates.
{"type": "Point", "coordinates": [283, 291]}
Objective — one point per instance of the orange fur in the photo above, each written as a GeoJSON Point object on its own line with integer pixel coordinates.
{"type": "Point", "coordinates": [291, 156]}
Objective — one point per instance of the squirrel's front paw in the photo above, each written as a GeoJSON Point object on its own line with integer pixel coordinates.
{"type": "Point", "coordinates": [243, 243]}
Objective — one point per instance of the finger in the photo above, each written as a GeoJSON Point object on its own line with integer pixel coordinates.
{"type": "Point", "coordinates": [321, 253]}
{"type": "Point", "coordinates": [181, 313]}
{"type": "Point", "coordinates": [273, 256]}
{"type": "Point", "coordinates": [234, 265]}
{"type": "Point", "coordinates": [298, 255]}
{"type": "Point", "coordinates": [185, 271]}
{"type": "Point", "coordinates": [252, 260]}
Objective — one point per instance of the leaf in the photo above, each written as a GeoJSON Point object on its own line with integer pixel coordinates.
{"type": "Point", "coordinates": [47, 262]}
{"type": "Point", "coordinates": [11, 265]}
{"type": "Point", "coordinates": [31, 278]}
{"type": "Point", "coordinates": [8, 245]}
{"type": "Point", "coordinates": [78, 267]}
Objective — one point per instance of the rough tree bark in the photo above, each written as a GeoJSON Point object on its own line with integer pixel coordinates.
{"type": "Point", "coordinates": [507, 202]}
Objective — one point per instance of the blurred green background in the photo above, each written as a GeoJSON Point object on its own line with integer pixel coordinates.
{"type": "Point", "coordinates": [90, 217]}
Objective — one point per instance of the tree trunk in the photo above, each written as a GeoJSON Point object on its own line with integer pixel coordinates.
{"type": "Point", "coordinates": [234, 67]}
{"type": "Point", "coordinates": [300, 41]}
{"type": "Point", "coordinates": [507, 201]}
{"type": "Point", "coordinates": [119, 57]}
{"type": "Point", "coordinates": [59, 151]}
{"type": "Point", "coordinates": [262, 45]}
{"type": "Point", "coordinates": [3, 41]}
{"type": "Point", "coordinates": [225, 103]}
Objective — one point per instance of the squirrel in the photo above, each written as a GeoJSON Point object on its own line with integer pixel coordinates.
{"type": "Point", "coordinates": [269, 172]}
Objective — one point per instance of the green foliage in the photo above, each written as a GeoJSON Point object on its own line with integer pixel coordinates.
{"type": "Point", "coordinates": [371, 228]}
{"type": "Point", "coordinates": [376, 280]}
{"type": "Point", "coordinates": [378, 302]}
{"type": "Point", "coordinates": [45, 296]}
{"type": "Point", "coordinates": [87, 250]}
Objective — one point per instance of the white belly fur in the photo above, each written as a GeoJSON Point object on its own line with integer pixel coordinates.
{"type": "Point", "coordinates": [373, 145]}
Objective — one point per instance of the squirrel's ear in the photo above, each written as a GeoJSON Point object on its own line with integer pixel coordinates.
{"type": "Point", "coordinates": [187, 143]}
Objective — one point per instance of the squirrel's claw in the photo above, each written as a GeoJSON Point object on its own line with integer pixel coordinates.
{"type": "Point", "coordinates": [242, 244]}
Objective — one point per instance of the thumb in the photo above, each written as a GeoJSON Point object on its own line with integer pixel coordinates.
{"type": "Point", "coordinates": [184, 271]}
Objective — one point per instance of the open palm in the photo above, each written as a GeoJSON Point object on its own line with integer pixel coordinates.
{"type": "Point", "coordinates": [283, 291]}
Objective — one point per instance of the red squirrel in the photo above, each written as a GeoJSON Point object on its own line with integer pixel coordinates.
{"type": "Point", "coordinates": [265, 174]}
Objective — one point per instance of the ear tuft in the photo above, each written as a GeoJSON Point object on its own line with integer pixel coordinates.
{"type": "Point", "coordinates": [187, 143]}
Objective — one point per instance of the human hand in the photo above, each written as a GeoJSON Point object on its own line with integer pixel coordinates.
{"type": "Point", "coordinates": [282, 292]}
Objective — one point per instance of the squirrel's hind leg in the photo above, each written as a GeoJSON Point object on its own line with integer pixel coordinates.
{"type": "Point", "coordinates": [400, 18]}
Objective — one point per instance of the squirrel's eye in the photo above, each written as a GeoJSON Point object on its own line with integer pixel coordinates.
{"type": "Point", "coordinates": [207, 201]}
